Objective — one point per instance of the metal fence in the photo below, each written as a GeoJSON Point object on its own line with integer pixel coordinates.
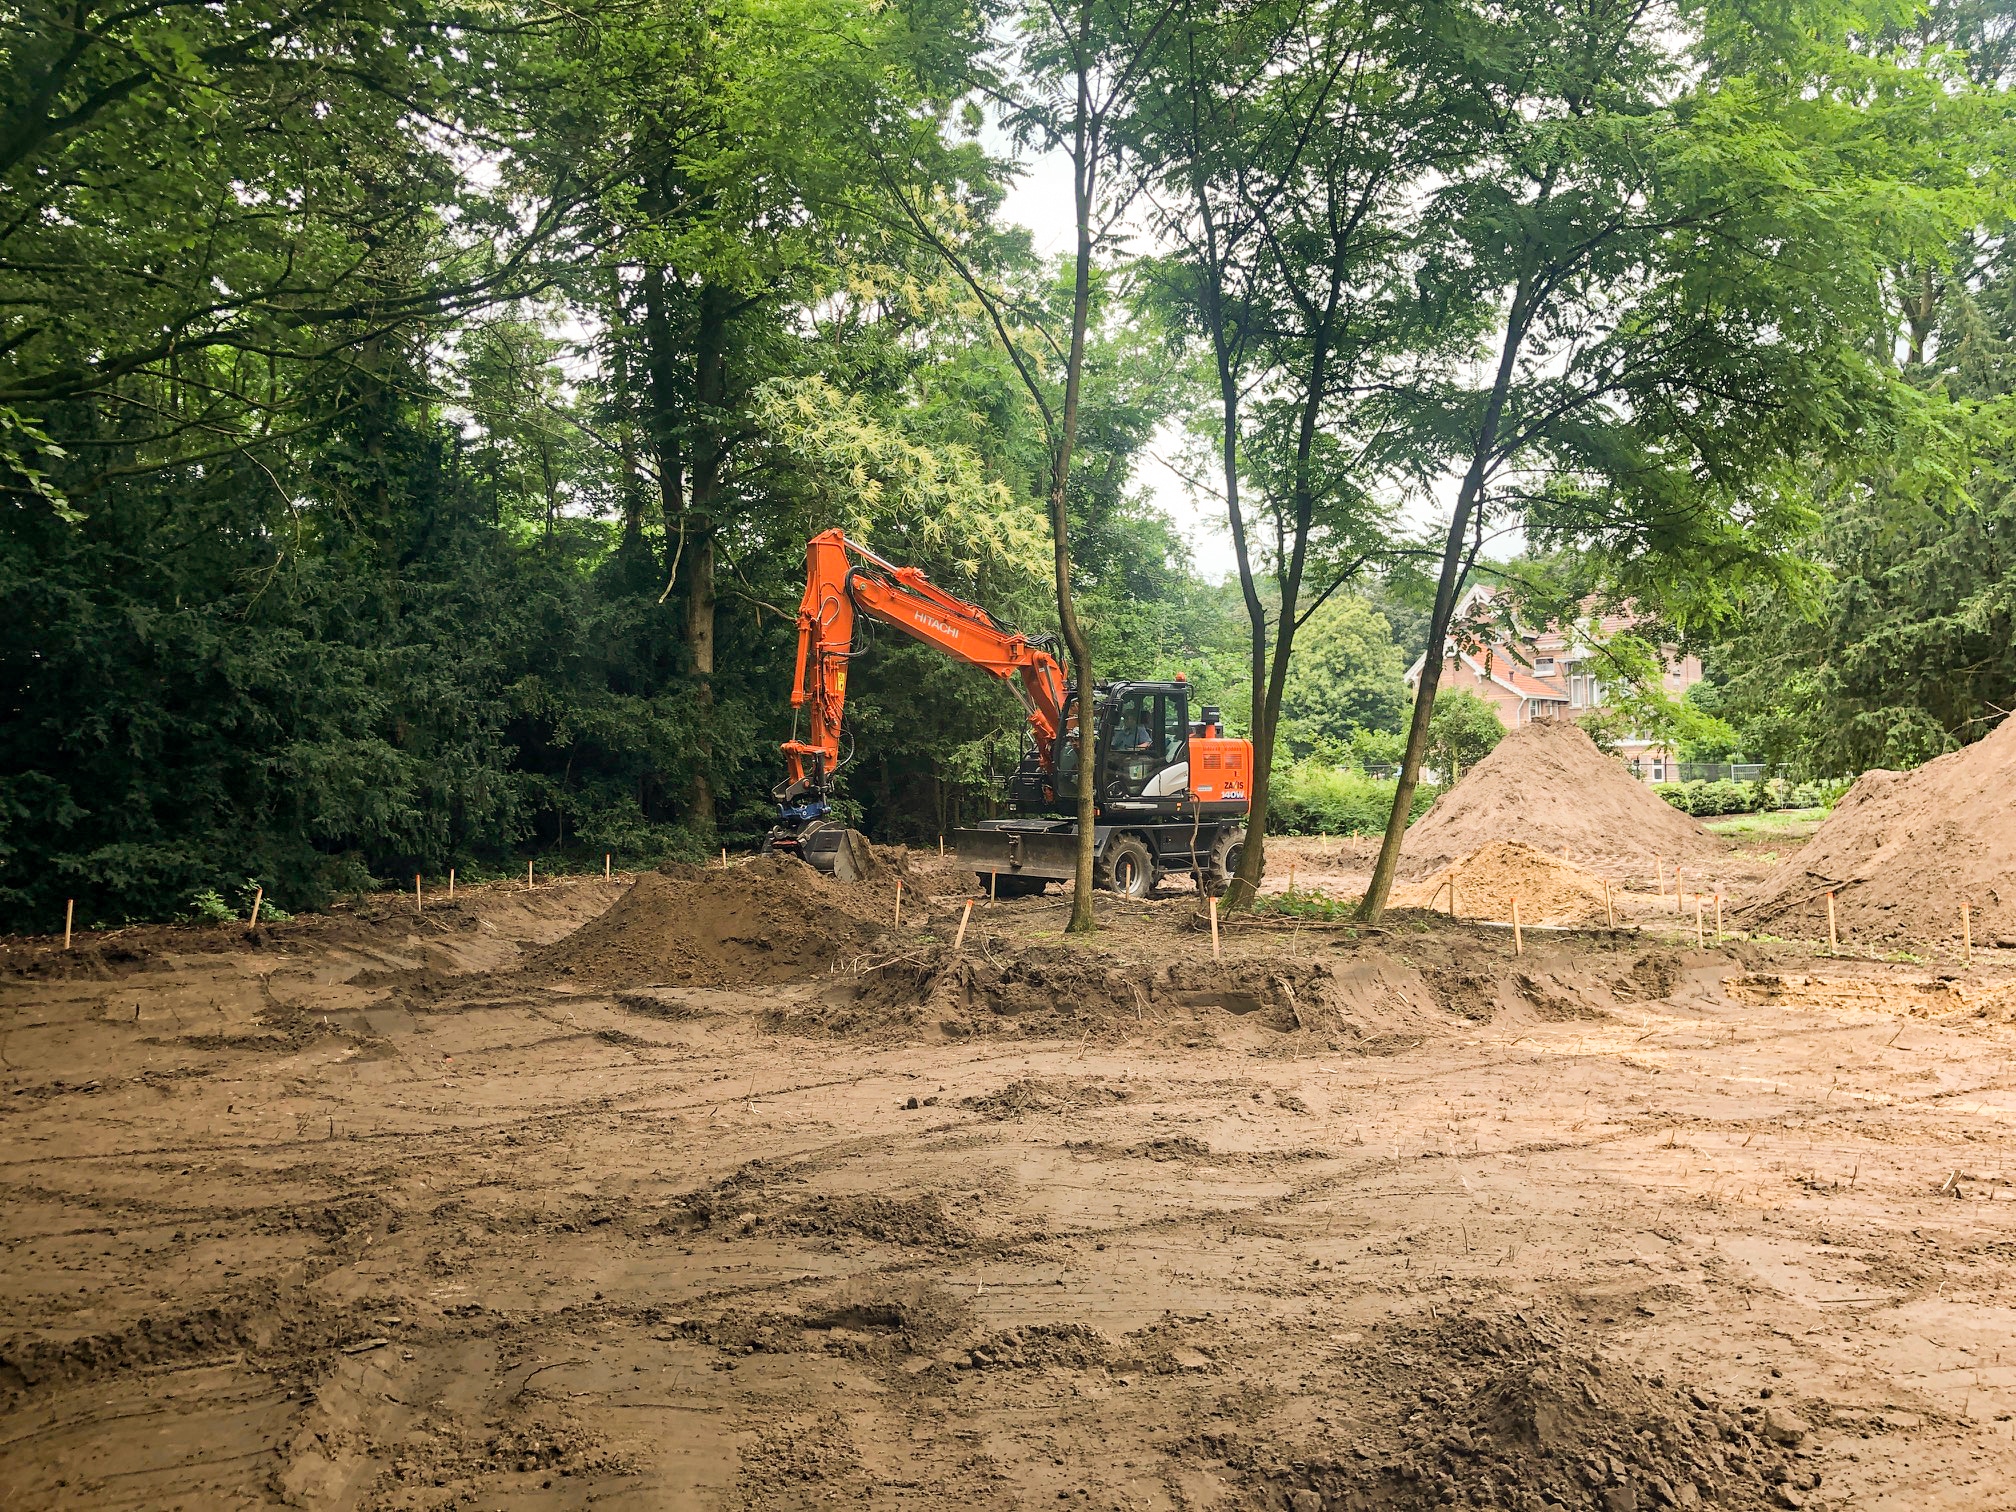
{"type": "Point", "coordinates": [1671, 771]}
{"type": "Point", "coordinates": [1714, 771]}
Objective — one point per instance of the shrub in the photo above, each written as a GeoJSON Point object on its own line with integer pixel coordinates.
{"type": "Point", "coordinates": [206, 907]}
{"type": "Point", "coordinates": [1315, 798]}
{"type": "Point", "coordinates": [1705, 800]}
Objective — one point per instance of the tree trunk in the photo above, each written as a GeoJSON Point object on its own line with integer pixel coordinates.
{"type": "Point", "coordinates": [631, 485]}
{"type": "Point", "coordinates": [709, 457]}
{"type": "Point", "coordinates": [1450, 583]}
{"type": "Point", "coordinates": [1245, 885]}
{"type": "Point", "coordinates": [689, 520]}
{"type": "Point", "coordinates": [1085, 168]}
{"type": "Point", "coordinates": [661, 366]}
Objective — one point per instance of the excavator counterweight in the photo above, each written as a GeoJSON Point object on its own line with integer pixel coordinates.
{"type": "Point", "coordinates": [1172, 791]}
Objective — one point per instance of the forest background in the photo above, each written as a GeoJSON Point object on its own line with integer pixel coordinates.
{"type": "Point", "coordinates": [412, 414]}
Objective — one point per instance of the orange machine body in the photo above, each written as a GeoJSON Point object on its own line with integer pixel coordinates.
{"type": "Point", "coordinates": [843, 579]}
{"type": "Point", "coordinates": [1221, 769]}
{"type": "Point", "coordinates": [1171, 791]}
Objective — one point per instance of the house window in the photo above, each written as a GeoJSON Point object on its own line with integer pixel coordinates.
{"type": "Point", "coordinates": [1658, 771]}
{"type": "Point", "coordinates": [1543, 666]}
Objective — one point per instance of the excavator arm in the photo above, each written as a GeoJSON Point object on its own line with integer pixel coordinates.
{"type": "Point", "coordinates": [843, 580]}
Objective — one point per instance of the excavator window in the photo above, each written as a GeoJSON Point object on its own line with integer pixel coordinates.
{"type": "Point", "coordinates": [1148, 733]}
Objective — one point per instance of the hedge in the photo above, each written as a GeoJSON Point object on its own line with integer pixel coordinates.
{"type": "Point", "coordinates": [1705, 800]}
{"type": "Point", "coordinates": [1314, 798]}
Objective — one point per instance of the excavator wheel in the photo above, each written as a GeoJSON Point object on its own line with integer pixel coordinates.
{"type": "Point", "coordinates": [1128, 867]}
{"type": "Point", "coordinates": [1225, 852]}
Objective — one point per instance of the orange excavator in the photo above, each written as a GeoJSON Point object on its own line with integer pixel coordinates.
{"type": "Point", "coordinates": [1172, 791]}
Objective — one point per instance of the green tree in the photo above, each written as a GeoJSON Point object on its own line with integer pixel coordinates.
{"type": "Point", "coordinates": [1906, 646]}
{"type": "Point", "coordinates": [205, 201]}
{"type": "Point", "coordinates": [1631, 222]}
{"type": "Point", "coordinates": [1282, 147]}
{"type": "Point", "coordinates": [736, 237]}
{"type": "Point", "coordinates": [1463, 732]}
{"type": "Point", "coordinates": [1346, 679]}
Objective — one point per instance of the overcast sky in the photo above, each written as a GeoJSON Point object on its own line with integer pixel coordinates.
{"type": "Point", "coordinates": [1041, 200]}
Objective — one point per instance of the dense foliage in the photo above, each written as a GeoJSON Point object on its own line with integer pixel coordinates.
{"type": "Point", "coordinates": [1320, 798]}
{"type": "Point", "coordinates": [1901, 644]}
{"type": "Point", "coordinates": [1706, 800]}
{"type": "Point", "coordinates": [412, 413]}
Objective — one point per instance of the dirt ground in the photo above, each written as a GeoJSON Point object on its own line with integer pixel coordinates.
{"type": "Point", "coordinates": [386, 1211]}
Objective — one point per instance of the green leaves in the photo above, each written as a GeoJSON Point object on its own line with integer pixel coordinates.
{"type": "Point", "coordinates": [882, 486]}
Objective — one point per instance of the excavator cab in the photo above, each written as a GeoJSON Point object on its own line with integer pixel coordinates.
{"type": "Point", "coordinates": [1152, 759]}
{"type": "Point", "coordinates": [1171, 792]}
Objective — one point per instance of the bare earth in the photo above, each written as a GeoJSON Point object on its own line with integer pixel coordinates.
{"type": "Point", "coordinates": [360, 1214]}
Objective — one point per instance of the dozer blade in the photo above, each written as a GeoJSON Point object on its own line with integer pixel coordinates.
{"type": "Point", "coordinates": [1045, 855]}
{"type": "Point", "coordinates": [836, 850]}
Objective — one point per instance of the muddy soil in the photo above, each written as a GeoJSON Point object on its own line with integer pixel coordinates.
{"type": "Point", "coordinates": [402, 1215]}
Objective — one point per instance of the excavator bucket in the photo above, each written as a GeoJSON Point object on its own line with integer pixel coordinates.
{"type": "Point", "coordinates": [837, 851]}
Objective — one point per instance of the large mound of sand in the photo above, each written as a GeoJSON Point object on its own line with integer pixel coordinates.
{"type": "Point", "coordinates": [1903, 849]}
{"type": "Point", "coordinates": [1547, 786]}
{"type": "Point", "coordinates": [1549, 890]}
{"type": "Point", "coordinates": [771, 919]}
{"type": "Point", "coordinates": [767, 918]}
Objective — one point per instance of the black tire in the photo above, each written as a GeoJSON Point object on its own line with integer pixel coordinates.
{"type": "Point", "coordinates": [1225, 852]}
{"type": "Point", "coordinates": [1006, 886]}
{"type": "Point", "coordinates": [1127, 867]}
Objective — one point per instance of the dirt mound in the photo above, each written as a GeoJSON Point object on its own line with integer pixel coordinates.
{"type": "Point", "coordinates": [745, 1205]}
{"type": "Point", "coordinates": [259, 1320]}
{"type": "Point", "coordinates": [1549, 890]}
{"type": "Point", "coordinates": [1046, 1094]}
{"type": "Point", "coordinates": [924, 872]}
{"type": "Point", "coordinates": [1548, 786]}
{"type": "Point", "coordinates": [770, 919]}
{"type": "Point", "coordinates": [1068, 1346]}
{"type": "Point", "coordinates": [1901, 852]}
{"type": "Point", "coordinates": [1055, 992]}
{"type": "Point", "coordinates": [1473, 1410]}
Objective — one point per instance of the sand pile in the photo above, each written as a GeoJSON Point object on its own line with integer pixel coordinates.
{"type": "Point", "coordinates": [1548, 786]}
{"type": "Point", "coordinates": [932, 992]}
{"type": "Point", "coordinates": [1518, 1411]}
{"type": "Point", "coordinates": [771, 919]}
{"type": "Point", "coordinates": [1903, 849]}
{"type": "Point", "coordinates": [1549, 890]}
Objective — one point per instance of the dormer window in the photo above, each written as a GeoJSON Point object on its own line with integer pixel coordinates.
{"type": "Point", "coordinates": [1543, 666]}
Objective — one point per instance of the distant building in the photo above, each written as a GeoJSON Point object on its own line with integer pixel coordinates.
{"type": "Point", "coordinates": [1550, 673]}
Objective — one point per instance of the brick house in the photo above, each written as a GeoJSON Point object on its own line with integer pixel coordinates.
{"type": "Point", "coordinates": [1550, 673]}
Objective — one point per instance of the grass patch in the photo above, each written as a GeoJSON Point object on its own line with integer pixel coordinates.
{"type": "Point", "coordinates": [1784, 822]}
{"type": "Point", "coordinates": [1299, 904]}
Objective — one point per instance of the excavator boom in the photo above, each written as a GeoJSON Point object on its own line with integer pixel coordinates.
{"type": "Point", "coordinates": [844, 579]}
